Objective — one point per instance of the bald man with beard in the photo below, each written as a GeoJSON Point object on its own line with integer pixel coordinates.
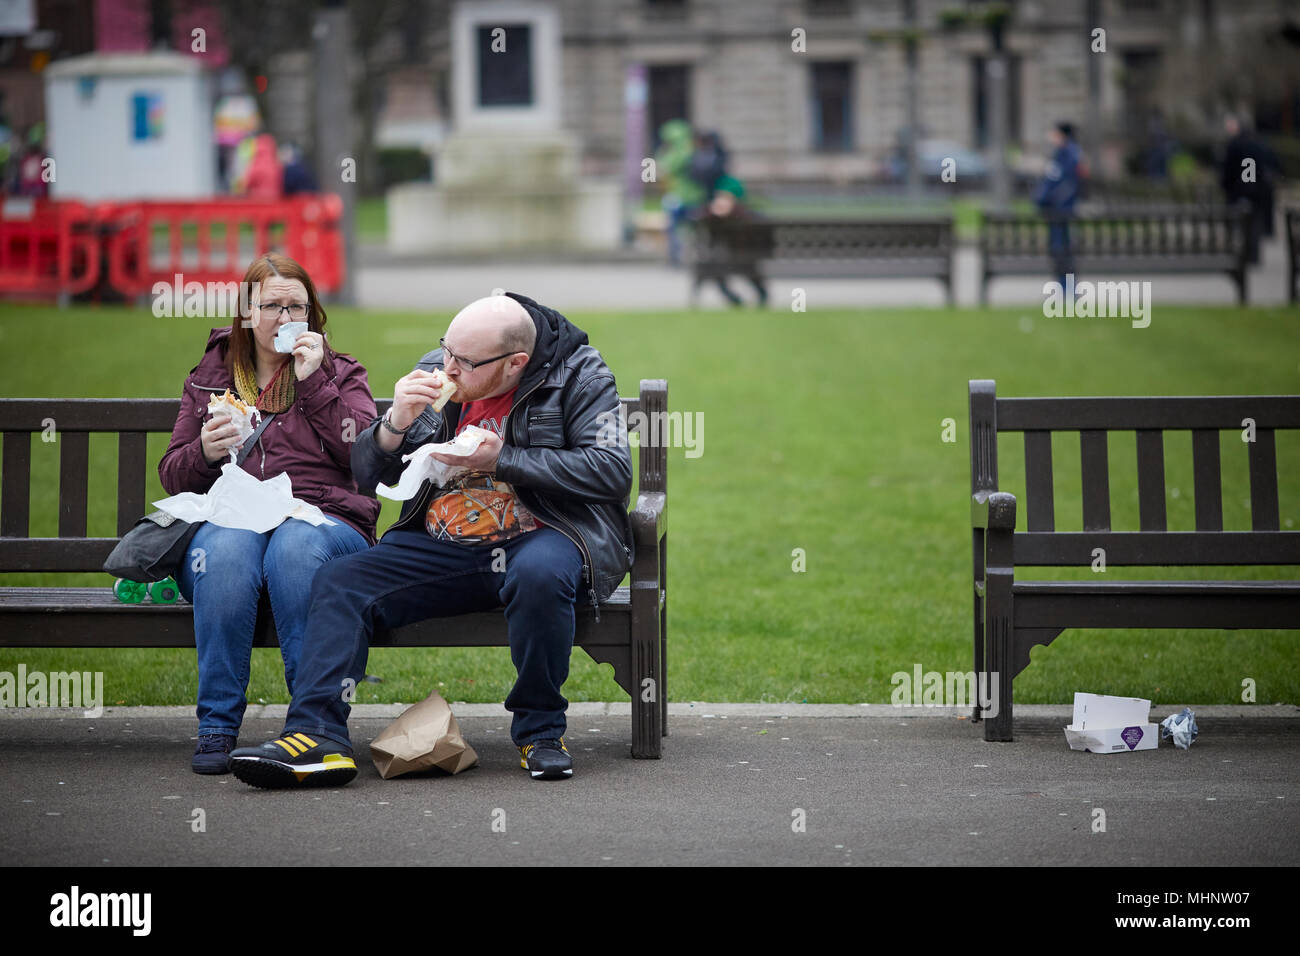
{"type": "Point", "coordinates": [539, 523]}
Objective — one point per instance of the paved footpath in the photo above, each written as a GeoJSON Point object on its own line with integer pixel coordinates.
{"type": "Point", "coordinates": [635, 282]}
{"type": "Point", "coordinates": [878, 789]}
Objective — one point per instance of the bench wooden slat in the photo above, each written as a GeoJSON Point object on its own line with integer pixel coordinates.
{"type": "Point", "coordinates": [93, 617]}
{"type": "Point", "coordinates": [1155, 548]}
{"type": "Point", "coordinates": [1151, 479]}
{"type": "Point", "coordinates": [1132, 413]}
{"type": "Point", "coordinates": [90, 414]}
{"type": "Point", "coordinates": [1263, 481]}
{"type": "Point", "coordinates": [1039, 504]}
{"type": "Point", "coordinates": [1206, 479]}
{"type": "Point", "coordinates": [1231, 605]}
{"type": "Point", "coordinates": [15, 485]}
{"type": "Point", "coordinates": [131, 452]}
{"type": "Point", "coordinates": [1095, 470]}
{"type": "Point", "coordinates": [118, 414]}
{"type": "Point", "coordinates": [74, 476]}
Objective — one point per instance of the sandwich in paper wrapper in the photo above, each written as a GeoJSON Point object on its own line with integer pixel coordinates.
{"type": "Point", "coordinates": [242, 416]}
{"type": "Point", "coordinates": [424, 736]}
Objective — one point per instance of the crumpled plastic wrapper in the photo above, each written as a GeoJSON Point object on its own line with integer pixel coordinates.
{"type": "Point", "coordinates": [238, 500]}
{"type": "Point", "coordinates": [421, 467]}
{"type": "Point", "coordinates": [424, 736]}
{"type": "Point", "coordinates": [1181, 727]}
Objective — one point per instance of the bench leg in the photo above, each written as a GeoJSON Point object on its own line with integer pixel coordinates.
{"type": "Point", "coordinates": [663, 634]}
{"type": "Point", "coordinates": [647, 672]}
{"type": "Point", "coordinates": [999, 642]}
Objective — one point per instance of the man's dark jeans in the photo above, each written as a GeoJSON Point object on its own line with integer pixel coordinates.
{"type": "Point", "coordinates": [408, 577]}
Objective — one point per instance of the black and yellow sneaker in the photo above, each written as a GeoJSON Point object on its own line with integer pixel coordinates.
{"type": "Point", "coordinates": [294, 760]}
{"type": "Point", "coordinates": [546, 759]}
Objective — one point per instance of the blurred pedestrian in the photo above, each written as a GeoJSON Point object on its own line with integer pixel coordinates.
{"type": "Point", "coordinates": [708, 162]}
{"type": "Point", "coordinates": [1056, 195]}
{"type": "Point", "coordinates": [31, 167]}
{"type": "Point", "coordinates": [745, 249]}
{"type": "Point", "coordinates": [257, 173]}
{"type": "Point", "coordinates": [298, 176]}
{"type": "Point", "coordinates": [1248, 176]}
{"type": "Point", "coordinates": [682, 194]}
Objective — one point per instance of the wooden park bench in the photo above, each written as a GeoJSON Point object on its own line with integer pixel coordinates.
{"type": "Point", "coordinates": [820, 249]}
{"type": "Point", "coordinates": [1144, 240]}
{"type": "Point", "coordinates": [630, 632]}
{"type": "Point", "coordinates": [1012, 616]}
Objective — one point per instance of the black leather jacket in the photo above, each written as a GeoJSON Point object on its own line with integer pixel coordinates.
{"type": "Point", "coordinates": [557, 451]}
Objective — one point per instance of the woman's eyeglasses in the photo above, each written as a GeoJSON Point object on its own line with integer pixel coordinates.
{"type": "Point", "coordinates": [296, 310]}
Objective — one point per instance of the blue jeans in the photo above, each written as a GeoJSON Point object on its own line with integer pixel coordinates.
{"type": "Point", "coordinates": [409, 577]}
{"type": "Point", "coordinates": [224, 583]}
{"type": "Point", "coordinates": [677, 216]}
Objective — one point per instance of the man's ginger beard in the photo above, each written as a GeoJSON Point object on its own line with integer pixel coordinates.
{"type": "Point", "coordinates": [465, 393]}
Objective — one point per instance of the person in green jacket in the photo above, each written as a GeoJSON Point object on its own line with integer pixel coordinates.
{"type": "Point", "coordinates": [682, 194]}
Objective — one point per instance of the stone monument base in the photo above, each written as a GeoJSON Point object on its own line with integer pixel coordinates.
{"type": "Point", "coordinates": [499, 191]}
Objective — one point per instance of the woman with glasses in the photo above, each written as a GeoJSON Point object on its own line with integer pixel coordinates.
{"type": "Point", "coordinates": [315, 399]}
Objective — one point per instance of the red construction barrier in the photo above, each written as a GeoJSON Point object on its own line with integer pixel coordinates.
{"type": "Point", "coordinates": [48, 247]}
{"type": "Point", "coordinates": [214, 240]}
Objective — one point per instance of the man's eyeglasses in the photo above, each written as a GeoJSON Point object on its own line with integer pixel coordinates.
{"type": "Point", "coordinates": [466, 363]}
{"type": "Point", "coordinates": [296, 310]}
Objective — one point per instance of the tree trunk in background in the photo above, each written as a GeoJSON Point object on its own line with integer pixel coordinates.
{"type": "Point", "coordinates": [996, 67]}
{"type": "Point", "coordinates": [1092, 128]}
{"type": "Point", "coordinates": [335, 141]}
{"type": "Point", "coordinates": [912, 51]}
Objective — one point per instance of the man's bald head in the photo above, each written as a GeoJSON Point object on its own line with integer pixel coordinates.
{"type": "Point", "coordinates": [496, 323]}
{"type": "Point", "coordinates": [497, 332]}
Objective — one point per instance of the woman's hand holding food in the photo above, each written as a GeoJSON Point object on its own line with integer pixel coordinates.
{"type": "Point", "coordinates": [218, 436]}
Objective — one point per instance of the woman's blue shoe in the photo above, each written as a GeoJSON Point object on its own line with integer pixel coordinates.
{"type": "Point", "coordinates": [213, 754]}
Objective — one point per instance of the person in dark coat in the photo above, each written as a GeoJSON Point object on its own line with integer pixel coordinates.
{"type": "Point", "coordinates": [708, 162]}
{"type": "Point", "coordinates": [1247, 176]}
{"type": "Point", "coordinates": [1056, 195]}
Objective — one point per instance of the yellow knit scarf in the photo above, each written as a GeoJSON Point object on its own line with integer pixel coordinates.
{"type": "Point", "coordinates": [278, 394]}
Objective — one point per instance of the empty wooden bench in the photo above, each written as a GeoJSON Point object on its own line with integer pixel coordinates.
{"type": "Point", "coordinates": [1144, 240]}
{"type": "Point", "coordinates": [1012, 616]}
{"type": "Point", "coordinates": [631, 633]}
{"type": "Point", "coordinates": [819, 249]}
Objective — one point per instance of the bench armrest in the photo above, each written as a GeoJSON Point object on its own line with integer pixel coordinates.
{"type": "Point", "coordinates": [993, 511]}
{"type": "Point", "coordinates": [649, 520]}
{"type": "Point", "coordinates": [649, 524]}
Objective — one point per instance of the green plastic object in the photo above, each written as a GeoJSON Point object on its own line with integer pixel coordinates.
{"type": "Point", "coordinates": [164, 591]}
{"type": "Point", "coordinates": [129, 592]}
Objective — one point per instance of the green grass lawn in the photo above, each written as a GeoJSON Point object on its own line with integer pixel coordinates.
{"type": "Point", "coordinates": [850, 468]}
{"type": "Point", "coordinates": [372, 219]}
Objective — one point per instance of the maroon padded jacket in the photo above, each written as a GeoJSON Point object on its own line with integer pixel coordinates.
{"type": "Point", "coordinates": [311, 440]}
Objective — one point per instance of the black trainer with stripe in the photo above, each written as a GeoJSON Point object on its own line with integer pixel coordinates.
{"type": "Point", "coordinates": [294, 760]}
{"type": "Point", "coordinates": [546, 759]}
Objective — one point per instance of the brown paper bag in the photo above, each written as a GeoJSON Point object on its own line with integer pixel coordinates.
{"type": "Point", "coordinates": [424, 735]}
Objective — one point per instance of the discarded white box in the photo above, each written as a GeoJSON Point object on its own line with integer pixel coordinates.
{"type": "Point", "coordinates": [1106, 725]}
